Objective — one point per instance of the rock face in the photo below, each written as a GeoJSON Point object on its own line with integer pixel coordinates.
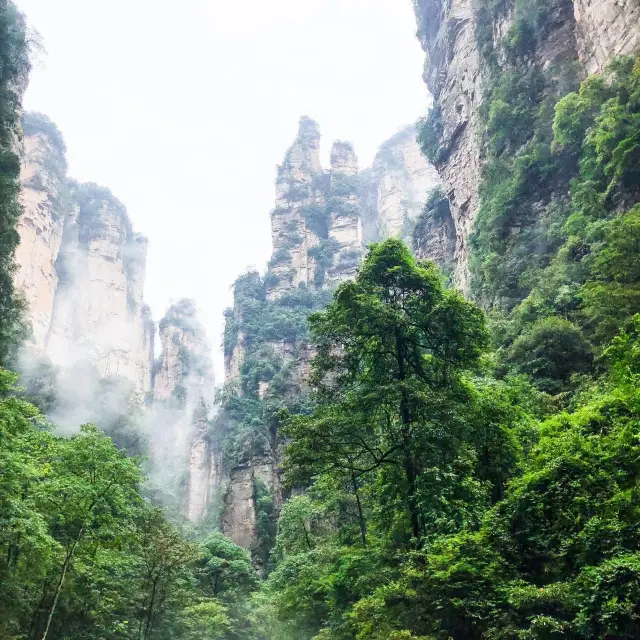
{"type": "Point", "coordinates": [592, 31]}
{"type": "Point", "coordinates": [297, 190]}
{"type": "Point", "coordinates": [80, 266]}
{"type": "Point", "coordinates": [98, 310]}
{"type": "Point", "coordinates": [447, 33]}
{"type": "Point", "coordinates": [318, 242]}
{"type": "Point", "coordinates": [344, 213]}
{"type": "Point", "coordinates": [434, 235]}
{"type": "Point", "coordinates": [43, 178]}
{"type": "Point", "coordinates": [183, 385]}
{"type": "Point", "coordinates": [396, 187]}
{"type": "Point", "coordinates": [606, 28]}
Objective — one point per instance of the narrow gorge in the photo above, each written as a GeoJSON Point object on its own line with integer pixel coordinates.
{"type": "Point", "coordinates": [427, 426]}
{"type": "Point", "coordinates": [81, 268]}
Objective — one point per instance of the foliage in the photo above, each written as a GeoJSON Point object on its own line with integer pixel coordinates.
{"type": "Point", "coordinates": [323, 254]}
{"type": "Point", "coordinates": [524, 174]}
{"type": "Point", "coordinates": [265, 523]}
{"type": "Point", "coordinates": [554, 248]}
{"type": "Point", "coordinates": [445, 529]}
{"type": "Point", "coordinates": [83, 556]}
{"type": "Point", "coordinates": [343, 185]}
{"type": "Point", "coordinates": [272, 334]}
{"type": "Point", "coordinates": [317, 219]}
{"type": "Point", "coordinates": [592, 279]}
{"type": "Point", "coordinates": [550, 351]}
{"type": "Point", "coordinates": [14, 68]}
{"type": "Point", "coordinates": [430, 131]}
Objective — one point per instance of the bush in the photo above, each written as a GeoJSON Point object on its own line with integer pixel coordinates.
{"type": "Point", "coordinates": [550, 352]}
{"type": "Point", "coordinates": [430, 130]}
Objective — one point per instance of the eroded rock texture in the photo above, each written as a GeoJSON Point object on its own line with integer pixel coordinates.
{"type": "Point", "coordinates": [80, 266]}
{"type": "Point", "coordinates": [183, 386]}
{"type": "Point", "coordinates": [606, 28]}
{"type": "Point", "coordinates": [591, 31]}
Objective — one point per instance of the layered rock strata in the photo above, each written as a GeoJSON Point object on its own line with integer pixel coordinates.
{"type": "Point", "coordinates": [80, 266]}
{"type": "Point", "coordinates": [592, 31]}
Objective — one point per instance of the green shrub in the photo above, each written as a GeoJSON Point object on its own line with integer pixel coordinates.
{"type": "Point", "coordinates": [430, 131]}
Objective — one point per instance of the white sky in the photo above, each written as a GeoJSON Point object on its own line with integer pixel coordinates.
{"type": "Point", "coordinates": [183, 109]}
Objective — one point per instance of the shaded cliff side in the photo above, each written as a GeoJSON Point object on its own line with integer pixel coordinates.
{"type": "Point", "coordinates": [481, 54]}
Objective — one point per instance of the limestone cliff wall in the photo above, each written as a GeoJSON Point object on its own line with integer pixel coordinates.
{"type": "Point", "coordinates": [344, 214]}
{"type": "Point", "coordinates": [183, 386]}
{"type": "Point", "coordinates": [592, 31]}
{"type": "Point", "coordinates": [606, 28]}
{"type": "Point", "coordinates": [98, 308]}
{"type": "Point", "coordinates": [396, 187]}
{"type": "Point", "coordinates": [447, 33]}
{"type": "Point", "coordinates": [80, 266]}
{"type": "Point", "coordinates": [297, 190]}
{"type": "Point", "coordinates": [434, 234]}
{"type": "Point", "coordinates": [43, 179]}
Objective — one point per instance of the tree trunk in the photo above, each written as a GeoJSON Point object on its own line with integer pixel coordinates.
{"type": "Point", "coordinates": [362, 522]}
{"type": "Point", "coordinates": [409, 466]}
{"type": "Point", "coordinates": [65, 566]}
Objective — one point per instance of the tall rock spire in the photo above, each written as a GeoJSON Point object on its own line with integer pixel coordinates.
{"type": "Point", "coordinates": [297, 189]}
{"type": "Point", "coordinates": [344, 213]}
{"type": "Point", "coordinates": [183, 387]}
{"type": "Point", "coordinates": [80, 266]}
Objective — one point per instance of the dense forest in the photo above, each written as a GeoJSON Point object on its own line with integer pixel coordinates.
{"type": "Point", "coordinates": [459, 468]}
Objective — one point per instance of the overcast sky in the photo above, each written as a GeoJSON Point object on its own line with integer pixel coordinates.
{"type": "Point", "coordinates": [183, 109]}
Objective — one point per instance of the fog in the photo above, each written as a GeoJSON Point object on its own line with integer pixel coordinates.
{"type": "Point", "coordinates": [184, 110]}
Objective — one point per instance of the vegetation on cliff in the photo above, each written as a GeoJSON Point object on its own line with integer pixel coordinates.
{"type": "Point", "coordinates": [457, 471]}
{"type": "Point", "coordinates": [443, 502]}
{"type": "Point", "coordinates": [14, 68]}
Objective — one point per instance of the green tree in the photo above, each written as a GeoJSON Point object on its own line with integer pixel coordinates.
{"type": "Point", "coordinates": [550, 351]}
{"type": "Point", "coordinates": [391, 350]}
{"type": "Point", "coordinates": [226, 568]}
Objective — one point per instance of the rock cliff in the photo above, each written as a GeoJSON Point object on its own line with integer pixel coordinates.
{"type": "Point", "coordinates": [43, 199]}
{"type": "Point", "coordinates": [183, 385]}
{"type": "Point", "coordinates": [604, 29]}
{"type": "Point", "coordinates": [396, 187]}
{"type": "Point", "coordinates": [447, 32]}
{"type": "Point", "coordinates": [80, 266]}
{"type": "Point", "coordinates": [465, 41]}
{"type": "Point", "coordinates": [318, 241]}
